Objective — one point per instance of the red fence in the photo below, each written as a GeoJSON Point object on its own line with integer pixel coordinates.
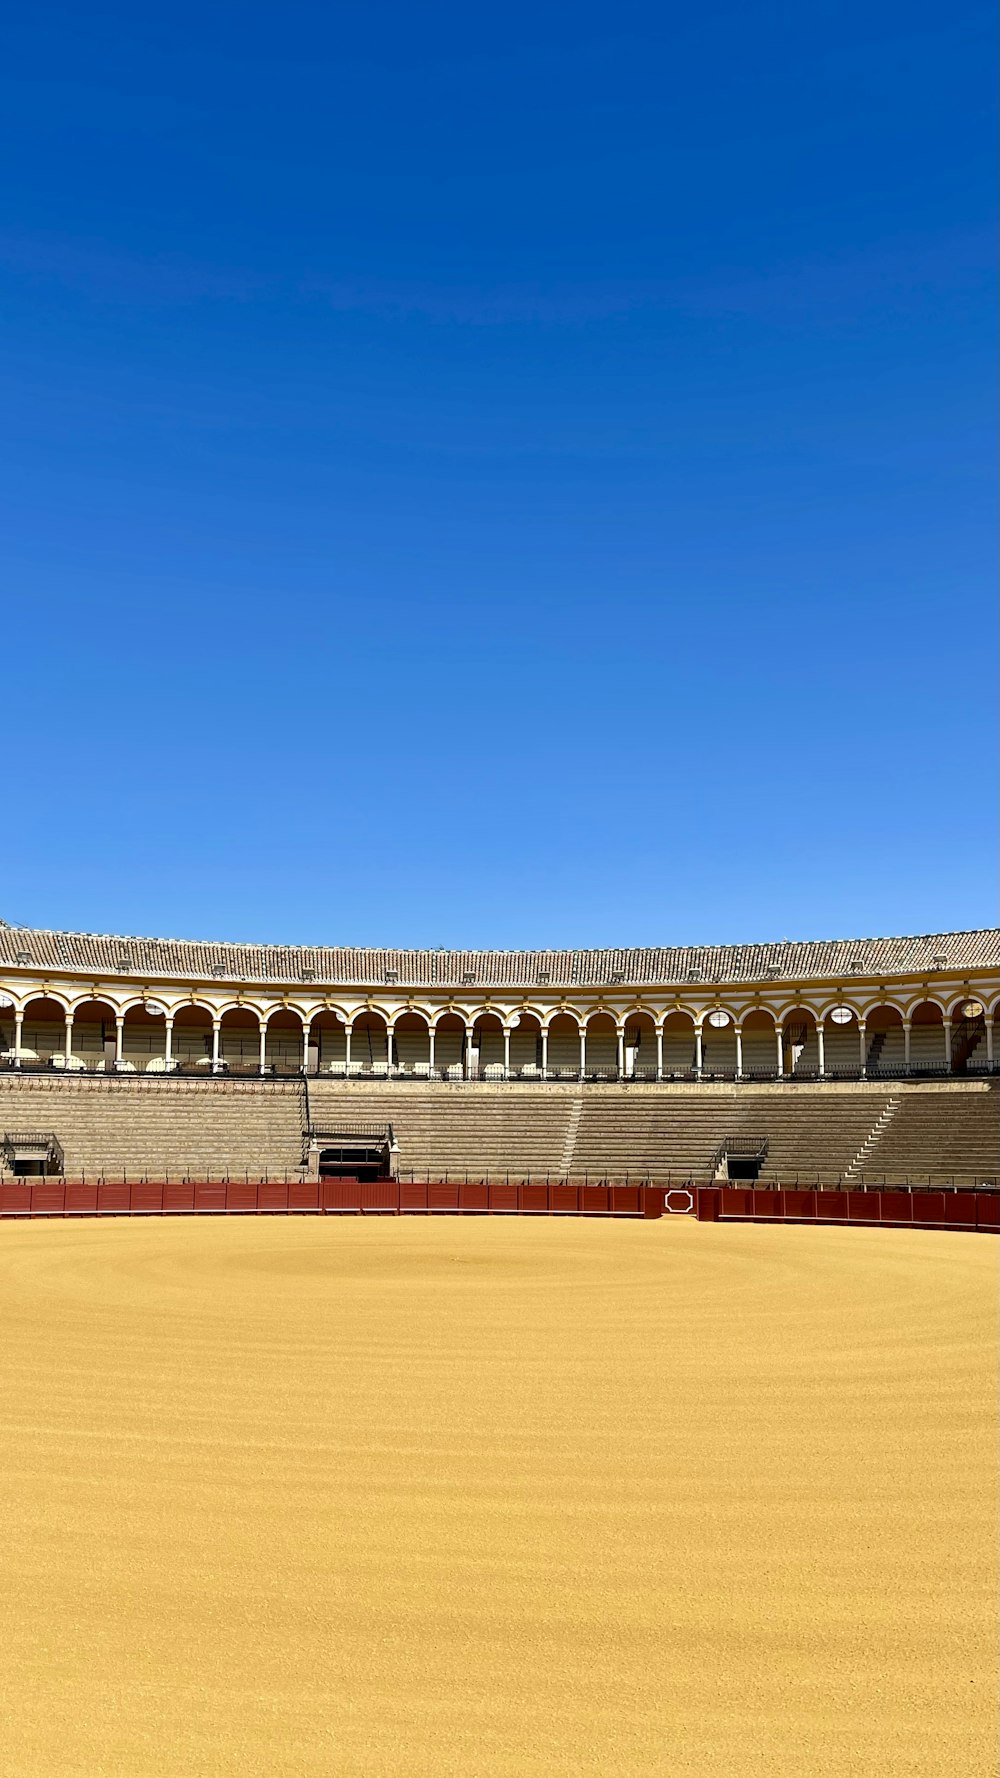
{"type": "Point", "coordinates": [887, 1207]}
{"type": "Point", "coordinates": [710, 1203]}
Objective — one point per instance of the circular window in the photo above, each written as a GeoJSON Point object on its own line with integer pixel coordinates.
{"type": "Point", "coordinates": [718, 1019]}
{"type": "Point", "coordinates": [841, 1015]}
{"type": "Point", "coordinates": [973, 1009]}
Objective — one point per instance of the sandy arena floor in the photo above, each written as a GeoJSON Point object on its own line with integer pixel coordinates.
{"type": "Point", "coordinates": [483, 1498]}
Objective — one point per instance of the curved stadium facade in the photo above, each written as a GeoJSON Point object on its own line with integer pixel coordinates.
{"type": "Point", "coordinates": [834, 1060]}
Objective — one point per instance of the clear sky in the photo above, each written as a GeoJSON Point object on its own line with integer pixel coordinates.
{"type": "Point", "coordinates": [498, 476]}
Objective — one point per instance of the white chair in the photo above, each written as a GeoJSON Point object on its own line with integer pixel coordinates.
{"type": "Point", "coordinates": [422, 1070]}
{"type": "Point", "coordinates": [160, 1065]}
{"type": "Point", "coordinates": [337, 1068]}
{"type": "Point", "coordinates": [493, 1071]}
{"type": "Point", "coordinates": [454, 1071]}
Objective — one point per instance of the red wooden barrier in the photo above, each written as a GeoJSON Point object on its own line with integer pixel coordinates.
{"type": "Point", "coordinates": [48, 1198]}
{"type": "Point", "coordinates": [412, 1196]}
{"type": "Point", "coordinates": [178, 1199]}
{"type": "Point", "coordinates": [928, 1207]}
{"type": "Point", "coordinates": [81, 1200]}
{"type": "Point", "coordinates": [595, 1199]}
{"type": "Point", "coordinates": [798, 1204]}
{"type": "Point", "coordinates": [863, 1206]}
{"type": "Point", "coordinates": [303, 1194]}
{"type": "Point", "coordinates": [503, 1197]}
{"type": "Point", "coordinates": [379, 1194]}
{"type": "Point", "coordinates": [240, 1196]}
{"type": "Point", "coordinates": [987, 1210]}
{"type": "Point", "coordinates": [533, 1199]}
{"type": "Point", "coordinates": [112, 1198]}
{"type": "Point", "coordinates": [338, 1194]}
{"type": "Point", "coordinates": [565, 1200]}
{"type": "Point", "coordinates": [209, 1197]}
{"type": "Point", "coordinates": [145, 1200]}
{"type": "Point", "coordinates": [625, 1200]}
{"type": "Point", "coordinates": [831, 1206]}
{"type": "Point", "coordinates": [766, 1202]}
{"type": "Point", "coordinates": [442, 1197]}
{"type": "Point", "coordinates": [897, 1206]}
{"type": "Point", "coordinates": [15, 1200]}
{"type": "Point", "coordinates": [474, 1197]}
{"type": "Point", "coordinates": [960, 1209]}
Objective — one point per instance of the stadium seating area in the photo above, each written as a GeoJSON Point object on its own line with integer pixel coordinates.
{"type": "Point", "coordinates": [175, 1128]}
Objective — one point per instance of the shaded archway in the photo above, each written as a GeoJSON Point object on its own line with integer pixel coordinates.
{"type": "Point", "coordinates": [239, 1040]}
{"type": "Point", "coordinates": [639, 1046]}
{"type": "Point", "coordinates": [43, 1032]}
{"type": "Point", "coordinates": [718, 1045]}
{"type": "Point", "coordinates": [485, 1060]}
{"type": "Point", "coordinates": [93, 1036]}
{"type": "Point", "coordinates": [968, 1034]}
{"type": "Point", "coordinates": [928, 1051]}
{"type": "Point", "coordinates": [799, 1044]}
{"type": "Point", "coordinates": [885, 1044]}
{"type": "Point", "coordinates": [191, 1044]}
{"type": "Point", "coordinates": [842, 1043]}
{"type": "Point", "coordinates": [413, 1044]}
{"type": "Point", "coordinates": [678, 1046]}
{"type": "Point", "coordinates": [144, 1040]}
{"type": "Point", "coordinates": [369, 1044]}
{"type": "Point", "coordinates": [564, 1059]}
{"type": "Point", "coordinates": [526, 1047]}
{"type": "Point", "coordinates": [602, 1047]}
{"type": "Point", "coordinates": [328, 1035]}
{"type": "Point", "coordinates": [448, 1036]}
{"type": "Point", "coordinates": [760, 1045]}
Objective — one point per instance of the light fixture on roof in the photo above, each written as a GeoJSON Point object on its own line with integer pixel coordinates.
{"type": "Point", "coordinates": [542, 979]}
{"type": "Point", "coordinates": [773, 971]}
{"type": "Point", "coordinates": [856, 965]}
{"type": "Point", "coordinates": [392, 975]}
{"type": "Point", "coordinates": [619, 976]}
{"type": "Point", "coordinates": [220, 970]}
{"type": "Point", "coordinates": [24, 957]}
{"type": "Point", "coordinates": [124, 961]}
{"type": "Point", "coordinates": [694, 975]}
{"type": "Point", "coordinates": [940, 961]}
{"type": "Point", "coordinates": [468, 977]}
{"type": "Point", "coordinates": [307, 975]}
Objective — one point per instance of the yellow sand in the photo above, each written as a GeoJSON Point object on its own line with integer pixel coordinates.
{"type": "Point", "coordinates": [471, 1498]}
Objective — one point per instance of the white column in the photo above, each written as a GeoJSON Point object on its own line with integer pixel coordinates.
{"type": "Point", "coordinates": [506, 1053]}
{"type": "Point", "coordinates": [621, 1052]}
{"type": "Point", "coordinates": [263, 1045]}
{"type": "Point", "coordinates": [390, 1032]}
{"type": "Point", "coordinates": [989, 1042]}
{"type": "Point", "coordinates": [431, 1034]}
{"type": "Point", "coordinates": [119, 1035]}
{"type": "Point", "coordinates": [470, 1031]}
{"type": "Point", "coordinates": [907, 1030]}
{"type": "Point", "coordinates": [545, 1052]}
{"type": "Point", "coordinates": [168, 1041]}
{"type": "Point", "coordinates": [216, 1031]}
{"type": "Point", "coordinates": [18, 1028]}
{"type": "Point", "coordinates": [779, 1041]}
{"type": "Point", "coordinates": [306, 1028]}
{"type": "Point", "coordinates": [583, 1051]}
{"type": "Point", "coordinates": [821, 1048]}
{"type": "Point", "coordinates": [946, 1026]}
{"type": "Point", "coordinates": [659, 1052]}
{"type": "Point", "coordinates": [739, 1052]}
{"type": "Point", "coordinates": [697, 1050]}
{"type": "Point", "coordinates": [69, 1036]}
{"type": "Point", "coordinates": [348, 1028]}
{"type": "Point", "coordinates": [863, 1047]}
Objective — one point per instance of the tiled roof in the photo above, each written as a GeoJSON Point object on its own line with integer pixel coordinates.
{"type": "Point", "coordinates": [84, 953]}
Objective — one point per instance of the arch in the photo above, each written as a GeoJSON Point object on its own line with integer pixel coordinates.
{"type": "Point", "coordinates": [239, 1038]}
{"type": "Point", "coordinates": [759, 1043]}
{"type": "Point", "coordinates": [328, 1037]}
{"type": "Point", "coordinates": [412, 1043]}
{"type": "Point", "coordinates": [602, 1046]}
{"type": "Point", "coordinates": [191, 1045]}
{"type": "Point", "coordinates": [485, 1058]}
{"type": "Point", "coordinates": [929, 1046]}
{"type": "Point", "coordinates": [143, 1040]}
{"type": "Point", "coordinates": [885, 1041]}
{"type": "Point", "coordinates": [564, 1059]}
{"type": "Point", "coordinates": [526, 1044]}
{"type": "Point", "coordinates": [43, 1030]}
{"type": "Point", "coordinates": [678, 1044]}
{"type": "Point", "coordinates": [639, 1046]}
{"type": "Point", "coordinates": [448, 1052]}
{"type": "Point", "coordinates": [719, 1051]}
{"type": "Point", "coordinates": [799, 1042]}
{"type": "Point", "coordinates": [94, 1036]}
{"type": "Point", "coordinates": [462, 1013]}
{"type": "Point", "coordinates": [969, 1046]}
{"type": "Point", "coordinates": [370, 1043]}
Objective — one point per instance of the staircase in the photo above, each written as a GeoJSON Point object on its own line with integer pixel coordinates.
{"type": "Point", "coordinates": [875, 1135]}
{"type": "Point", "coordinates": [569, 1146]}
{"type": "Point", "coordinates": [875, 1048]}
{"type": "Point", "coordinates": [965, 1039]}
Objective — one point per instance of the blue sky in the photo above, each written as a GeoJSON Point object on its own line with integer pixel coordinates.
{"type": "Point", "coordinates": [499, 478]}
